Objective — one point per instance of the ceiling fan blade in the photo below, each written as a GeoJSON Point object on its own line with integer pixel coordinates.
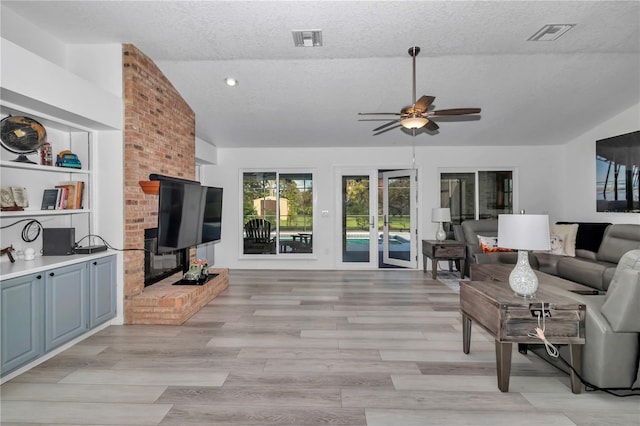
{"type": "Point", "coordinates": [374, 119]}
{"type": "Point", "coordinates": [387, 129]}
{"type": "Point", "coordinates": [431, 125]}
{"type": "Point", "coordinates": [424, 103]}
{"type": "Point", "coordinates": [378, 113]}
{"type": "Point", "coordinates": [386, 125]}
{"type": "Point", "coordinates": [455, 111]}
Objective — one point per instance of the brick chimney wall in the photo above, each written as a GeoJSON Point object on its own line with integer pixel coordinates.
{"type": "Point", "coordinates": [159, 137]}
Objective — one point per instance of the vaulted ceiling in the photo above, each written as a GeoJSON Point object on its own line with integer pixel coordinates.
{"type": "Point", "coordinates": [474, 54]}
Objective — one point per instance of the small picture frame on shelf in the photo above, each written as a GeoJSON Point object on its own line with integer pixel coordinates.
{"type": "Point", "coordinates": [13, 198]}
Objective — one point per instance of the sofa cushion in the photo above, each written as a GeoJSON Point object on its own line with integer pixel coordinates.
{"type": "Point", "coordinates": [587, 272]}
{"type": "Point", "coordinates": [548, 262]}
{"type": "Point", "coordinates": [621, 306]}
{"type": "Point", "coordinates": [618, 239]}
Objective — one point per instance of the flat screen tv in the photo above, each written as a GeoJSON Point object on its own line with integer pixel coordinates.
{"type": "Point", "coordinates": [179, 215]}
{"type": "Point", "coordinates": [211, 214]}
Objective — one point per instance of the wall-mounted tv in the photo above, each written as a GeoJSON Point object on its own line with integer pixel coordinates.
{"type": "Point", "coordinates": [212, 214]}
{"type": "Point", "coordinates": [188, 214]}
{"type": "Point", "coordinates": [179, 215]}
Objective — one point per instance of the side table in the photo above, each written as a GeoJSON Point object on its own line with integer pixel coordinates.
{"type": "Point", "coordinates": [442, 250]}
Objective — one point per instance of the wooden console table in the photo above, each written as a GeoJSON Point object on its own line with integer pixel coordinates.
{"type": "Point", "coordinates": [442, 250]}
{"type": "Point", "coordinates": [509, 319]}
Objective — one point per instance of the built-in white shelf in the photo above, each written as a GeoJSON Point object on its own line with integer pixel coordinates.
{"type": "Point", "coordinates": [29, 213]}
{"type": "Point", "coordinates": [40, 168]}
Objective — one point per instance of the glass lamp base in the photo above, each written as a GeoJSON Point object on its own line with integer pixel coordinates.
{"type": "Point", "coordinates": [522, 280]}
{"type": "Point", "coordinates": [441, 235]}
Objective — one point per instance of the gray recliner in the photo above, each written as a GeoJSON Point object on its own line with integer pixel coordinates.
{"type": "Point", "coordinates": [469, 231]}
{"type": "Point", "coordinates": [610, 355]}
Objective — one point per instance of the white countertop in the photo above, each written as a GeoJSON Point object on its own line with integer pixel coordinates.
{"type": "Point", "coordinates": [43, 263]}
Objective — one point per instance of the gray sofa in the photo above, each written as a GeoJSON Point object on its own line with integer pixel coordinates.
{"type": "Point", "coordinates": [591, 268]}
{"type": "Point", "coordinates": [610, 264]}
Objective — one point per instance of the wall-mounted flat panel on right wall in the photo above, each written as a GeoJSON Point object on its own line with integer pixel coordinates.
{"type": "Point", "coordinates": [618, 173]}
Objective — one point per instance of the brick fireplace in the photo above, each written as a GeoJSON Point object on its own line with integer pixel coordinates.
{"type": "Point", "coordinates": [159, 137]}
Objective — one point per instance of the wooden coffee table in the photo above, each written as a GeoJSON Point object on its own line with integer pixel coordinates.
{"type": "Point", "coordinates": [501, 271]}
{"type": "Point", "coordinates": [509, 319]}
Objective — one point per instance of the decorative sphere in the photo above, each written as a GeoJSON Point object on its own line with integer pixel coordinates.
{"type": "Point", "coordinates": [21, 135]}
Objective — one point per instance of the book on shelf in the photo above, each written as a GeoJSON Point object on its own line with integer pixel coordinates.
{"type": "Point", "coordinates": [73, 194]}
{"type": "Point", "coordinates": [65, 196]}
{"type": "Point", "coordinates": [50, 198]}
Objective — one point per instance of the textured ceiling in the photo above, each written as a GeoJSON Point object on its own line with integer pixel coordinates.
{"type": "Point", "coordinates": [474, 54]}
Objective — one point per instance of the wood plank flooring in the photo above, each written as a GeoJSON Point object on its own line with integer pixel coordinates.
{"type": "Point", "coordinates": [304, 348]}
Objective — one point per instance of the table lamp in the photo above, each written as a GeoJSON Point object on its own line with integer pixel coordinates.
{"type": "Point", "coordinates": [523, 232]}
{"type": "Point", "coordinates": [441, 215]}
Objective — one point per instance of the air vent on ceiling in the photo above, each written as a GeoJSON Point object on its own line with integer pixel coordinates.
{"type": "Point", "coordinates": [551, 32]}
{"type": "Point", "coordinates": [307, 38]}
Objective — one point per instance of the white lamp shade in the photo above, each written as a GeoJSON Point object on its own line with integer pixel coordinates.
{"type": "Point", "coordinates": [440, 215]}
{"type": "Point", "coordinates": [524, 231]}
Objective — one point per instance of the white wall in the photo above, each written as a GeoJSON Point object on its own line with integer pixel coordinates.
{"type": "Point", "coordinates": [579, 184]}
{"type": "Point", "coordinates": [538, 172]}
{"type": "Point", "coordinates": [23, 33]}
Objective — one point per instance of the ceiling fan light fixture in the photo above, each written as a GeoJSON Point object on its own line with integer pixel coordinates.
{"type": "Point", "coordinates": [230, 81]}
{"type": "Point", "coordinates": [414, 122]}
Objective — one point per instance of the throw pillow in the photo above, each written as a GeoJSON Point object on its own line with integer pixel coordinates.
{"type": "Point", "coordinates": [490, 244]}
{"type": "Point", "coordinates": [557, 245]}
{"type": "Point", "coordinates": [567, 233]}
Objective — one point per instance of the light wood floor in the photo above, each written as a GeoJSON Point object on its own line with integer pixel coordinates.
{"type": "Point", "coordinates": [304, 348]}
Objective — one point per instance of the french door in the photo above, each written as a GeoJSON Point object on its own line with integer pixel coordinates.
{"type": "Point", "coordinates": [359, 219]}
{"type": "Point", "coordinates": [377, 220]}
{"type": "Point", "coordinates": [399, 212]}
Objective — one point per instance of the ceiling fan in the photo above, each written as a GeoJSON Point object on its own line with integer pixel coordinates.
{"type": "Point", "coordinates": [417, 115]}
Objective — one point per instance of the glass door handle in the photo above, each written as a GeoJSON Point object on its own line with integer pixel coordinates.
{"type": "Point", "coordinates": [372, 223]}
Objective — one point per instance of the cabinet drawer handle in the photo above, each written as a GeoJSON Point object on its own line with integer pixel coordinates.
{"type": "Point", "coordinates": [95, 263]}
{"type": "Point", "coordinates": [51, 274]}
{"type": "Point", "coordinates": [39, 277]}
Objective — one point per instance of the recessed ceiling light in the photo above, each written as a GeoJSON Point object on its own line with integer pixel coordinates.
{"type": "Point", "coordinates": [307, 38]}
{"type": "Point", "coordinates": [230, 81]}
{"type": "Point", "coordinates": [551, 32]}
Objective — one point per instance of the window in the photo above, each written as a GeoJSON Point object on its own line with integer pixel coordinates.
{"type": "Point", "coordinates": [277, 213]}
{"type": "Point", "coordinates": [481, 194]}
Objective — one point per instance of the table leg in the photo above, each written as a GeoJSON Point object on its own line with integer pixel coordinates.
{"type": "Point", "coordinates": [424, 262]}
{"type": "Point", "coordinates": [434, 268]}
{"type": "Point", "coordinates": [575, 356]}
{"type": "Point", "coordinates": [461, 269]}
{"type": "Point", "coordinates": [503, 365]}
{"type": "Point", "coordinates": [466, 333]}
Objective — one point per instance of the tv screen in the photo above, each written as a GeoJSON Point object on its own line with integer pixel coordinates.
{"type": "Point", "coordinates": [179, 215]}
{"type": "Point", "coordinates": [212, 214]}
